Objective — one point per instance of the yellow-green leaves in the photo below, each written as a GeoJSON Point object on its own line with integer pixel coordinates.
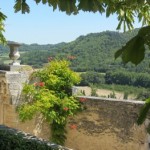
{"type": "Point", "coordinates": [58, 76]}
{"type": "Point", "coordinates": [2, 28]}
{"type": "Point", "coordinates": [51, 96]}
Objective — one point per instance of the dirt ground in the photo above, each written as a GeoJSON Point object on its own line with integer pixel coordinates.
{"type": "Point", "coordinates": [104, 93]}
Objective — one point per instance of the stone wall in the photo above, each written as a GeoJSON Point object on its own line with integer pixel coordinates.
{"type": "Point", "coordinates": [105, 124]}
{"type": "Point", "coordinates": [11, 84]}
{"type": "Point", "coordinates": [4, 95]}
{"type": "Point", "coordinates": [108, 124]}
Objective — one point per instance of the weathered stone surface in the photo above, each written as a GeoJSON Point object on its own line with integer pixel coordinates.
{"type": "Point", "coordinates": [108, 124]}
{"type": "Point", "coordinates": [11, 85]}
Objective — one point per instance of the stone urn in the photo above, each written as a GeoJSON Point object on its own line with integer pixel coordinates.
{"type": "Point", "coordinates": [14, 52]}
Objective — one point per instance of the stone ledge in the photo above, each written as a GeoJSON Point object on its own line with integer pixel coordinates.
{"type": "Point", "coordinates": [113, 100]}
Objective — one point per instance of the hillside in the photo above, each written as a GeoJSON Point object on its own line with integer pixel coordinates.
{"type": "Point", "coordinates": [93, 52]}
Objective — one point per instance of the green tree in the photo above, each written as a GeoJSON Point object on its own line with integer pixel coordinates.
{"type": "Point", "coordinates": [51, 97]}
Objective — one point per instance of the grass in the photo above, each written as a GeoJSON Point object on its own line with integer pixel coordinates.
{"type": "Point", "coordinates": [123, 88]}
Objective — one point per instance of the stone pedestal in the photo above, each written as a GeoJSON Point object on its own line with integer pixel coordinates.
{"type": "Point", "coordinates": [11, 85]}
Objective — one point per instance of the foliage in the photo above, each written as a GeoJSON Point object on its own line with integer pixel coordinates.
{"type": "Point", "coordinates": [2, 19]}
{"type": "Point", "coordinates": [112, 95]}
{"type": "Point", "coordinates": [134, 50]}
{"type": "Point", "coordinates": [93, 52]}
{"type": "Point", "coordinates": [93, 90]}
{"type": "Point", "coordinates": [125, 10]}
{"type": "Point", "coordinates": [125, 88]}
{"type": "Point", "coordinates": [97, 48]}
{"type": "Point", "coordinates": [83, 92]}
{"type": "Point", "coordinates": [51, 97]}
{"type": "Point", "coordinates": [89, 78]}
{"type": "Point", "coordinates": [15, 140]}
{"type": "Point", "coordinates": [144, 111]}
{"type": "Point", "coordinates": [39, 59]}
{"type": "Point", "coordinates": [125, 96]}
{"type": "Point", "coordinates": [143, 95]}
{"type": "Point", "coordinates": [128, 78]}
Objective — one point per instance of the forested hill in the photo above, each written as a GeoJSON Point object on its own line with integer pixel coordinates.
{"type": "Point", "coordinates": [35, 46]}
{"type": "Point", "coordinates": [96, 50]}
{"type": "Point", "coordinates": [93, 52]}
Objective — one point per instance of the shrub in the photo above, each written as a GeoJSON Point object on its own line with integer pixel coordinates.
{"type": "Point", "coordinates": [12, 139]}
{"type": "Point", "coordinates": [125, 96]}
{"type": "Point", "coordinates": [93, 91]}
{"type": "Point", "coordinates": [91, 78]}
{"type": "Point", "coordinates": [52, 97]}
{"type": "Point", "coordinates": [112, 95]}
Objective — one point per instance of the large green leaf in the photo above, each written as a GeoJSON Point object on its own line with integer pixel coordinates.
{"type": "Point", "coordinates": [134, 50]}
{"type": "Point", "coordinates": [22, 6]}
{"type": "Point", "coordinates": [144, 111]}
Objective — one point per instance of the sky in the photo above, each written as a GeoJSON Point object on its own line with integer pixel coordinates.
{"type": "Point", "coordinates": [43, 26]}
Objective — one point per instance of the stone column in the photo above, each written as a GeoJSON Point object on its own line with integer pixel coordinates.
{"type": "Point", "coordinates": [4, 96]}
{"type": "Point", "coordinates": [11, 85]}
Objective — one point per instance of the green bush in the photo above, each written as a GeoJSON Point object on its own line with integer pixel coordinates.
{"type": "Point", "coordinates": [51, 97]}
{"type": "Point", "coordinates": [12, 139]}
{"type": "Point", "coordinates": [143, 95]}
{"type": "Point", "coordinates": [92, 78]}
{"type": "Point", "coordinates": [93, 91]}
{"type": "Point", "coordinates": [125, 96]}
{"type": "Point", "coordinates": [112, 95]}
{"type": "Point", "coordinates": [128, 78]}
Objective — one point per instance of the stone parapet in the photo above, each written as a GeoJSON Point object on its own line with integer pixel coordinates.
{"type": "Point", "coordinates": [11, 82]}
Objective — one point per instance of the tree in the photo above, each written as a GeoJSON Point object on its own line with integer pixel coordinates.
{"type": "Point", "coordinates": [51, 97]}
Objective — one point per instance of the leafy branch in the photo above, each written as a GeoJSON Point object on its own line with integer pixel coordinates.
{"type": "Point", "coordinates": [51, 97]}
{"type": "Point", "coordinates": [126, 10]}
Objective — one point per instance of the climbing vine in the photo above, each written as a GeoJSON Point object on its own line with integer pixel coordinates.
{"type": "Point", "coordinates": [51, 95]}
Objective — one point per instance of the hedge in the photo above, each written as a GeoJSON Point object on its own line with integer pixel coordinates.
{"type": "Point", "coordinates": [12, 139]}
